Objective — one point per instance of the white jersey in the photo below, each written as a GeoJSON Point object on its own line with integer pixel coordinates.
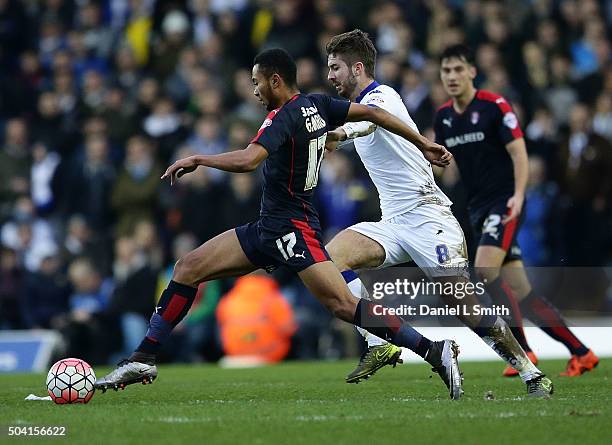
{"type": "Point", "coordinates": [403, 177]}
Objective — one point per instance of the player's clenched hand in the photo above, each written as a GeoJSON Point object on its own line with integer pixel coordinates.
{"type": "Point", "coordinates": [331, 145]}
{"type": "Point", "coordinates": [436, 154]}
{"type": "Point", "coordinates": [179, 168]}
{"type": "Point", "coordinates": [515, 205]}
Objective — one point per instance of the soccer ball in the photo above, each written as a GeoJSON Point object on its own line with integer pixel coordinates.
{"type": "Point", "coordinates": [71, 380]}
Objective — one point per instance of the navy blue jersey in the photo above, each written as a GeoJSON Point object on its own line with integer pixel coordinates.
{"type": "Point", "coordinates": [477, 139]}
{"type": "Point", "coordinates": [294, 136]}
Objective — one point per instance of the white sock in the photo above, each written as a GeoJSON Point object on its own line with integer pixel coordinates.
{"type": "Point", "coordinates": [358, 289]}
{"type": "Point", "coordinates": [505, 341]}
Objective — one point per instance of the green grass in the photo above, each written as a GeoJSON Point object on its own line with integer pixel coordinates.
{"type": "Point", "coordinates": [309, 403]}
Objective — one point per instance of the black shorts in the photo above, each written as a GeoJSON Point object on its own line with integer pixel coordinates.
{"type": "Point", "coordinates": [272, 242]}
{"type": "Point", "coordinates": [487, 223]}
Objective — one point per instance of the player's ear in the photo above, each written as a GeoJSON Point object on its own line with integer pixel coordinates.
{"type": "Point", "coordinates": [472, 71]}
{"type": "Point", "coordinates": [275, 80]}
{"type": "Point", "coordinates": [357, 68]}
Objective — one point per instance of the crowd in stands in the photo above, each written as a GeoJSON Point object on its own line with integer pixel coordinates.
{"type": "Point", "coordinates": [98, 97]}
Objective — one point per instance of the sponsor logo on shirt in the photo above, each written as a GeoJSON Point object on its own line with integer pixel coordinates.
{"type": "Point", "coordinates": [467, 138]}
{"type": "Point", "coordinates": [475, 117]}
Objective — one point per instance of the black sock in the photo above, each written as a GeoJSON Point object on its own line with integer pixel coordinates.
{"type": "Point", "coordinates": [172, 307]}
{"type": "Point", "coordinates": [547, 317]}
{"type": "Point", "coordinates": [502, 294]}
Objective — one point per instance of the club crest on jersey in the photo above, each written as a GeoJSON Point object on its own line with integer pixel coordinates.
{"type": "Point", "coordinates": [266, 123]}
{"type": "Point", "coordinates": [510, 120]}
{"type": "Point", "coordinates": [475, 117]}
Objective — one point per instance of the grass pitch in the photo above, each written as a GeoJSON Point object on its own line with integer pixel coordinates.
{"type": "Point", "coordinates": [309, 403]}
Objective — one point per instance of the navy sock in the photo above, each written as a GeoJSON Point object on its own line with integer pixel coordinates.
{"type": "Point", "coordinates": [502, 294]}
{"type": "Point", "coordinates": [349, 275]}
{"type": "Point", "coordinates": [390, 327]}
{"type": "Point", "coordinates": [172, 307]}
{"type": "Point", "coordinates": [541, 311]}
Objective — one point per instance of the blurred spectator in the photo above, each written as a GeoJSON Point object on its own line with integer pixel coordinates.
{"type": "Point", "coordinates": [29, 235]}
{"type": "Point", "coordinates": [93, 93]}
{"type": "Point", "coordinates": [127, 75]}
{"type": "Point", "coordinates": [602, 121]}
{"type": "Point", "coordinates": [13, 306]}
{"type": "Point", "coordinates": [148, 244]}
{"type": "Point", "coordinates": [584, 166]}
{"type": "Point", "coordinates": [538, 232]}
{"type": "Point", "coordinates": [84, 184]}
{"type": "Point", "coordinates": [415, 93]}
{"type": "Point", "coordinates": [82, 241]}
{"type": "Point", "coordinates": [560, 96]}
{"type": "Point", "coordinates": [88, 332]}
{"type": "Point", "coordinates": [243, 194]}
{"type": "Point", "coordinates": [177, 85]}
{"type": "Point", "coordinates": [166, 51]}
{"type": "Point", "coordinates": [119, 116]}
{"type": "Point", "coordinates": [290, 17]}
{"type": "Point", "coordinates": [134, 294]}
{"type": "Point", "coordinates": [163, 125]}
{"type": "Point", "coordinates": [15, 162]}
{"type": "Point", "coordinates": [98, 39]}
{"type": "Point", "coordinates": [195, 207]}
{"type": "Point", "coordinates": [134, 193]}
{"type": "Point", "coordinates": [43, 168]}
{"type": "Point", "coordinates": [47, 291]}
{"type": "Point", "coordinates": [49, 126]}
{"type": "Point", "coordinates": [340, 196]}
{"type": "Point", "coordinates": [255, 321]}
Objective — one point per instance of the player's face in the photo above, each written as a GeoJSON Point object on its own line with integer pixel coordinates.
{"type": "Point", "coordinates": [457, 76]}
{"type": "Point", "coordinates": [263, 89]}
{"type": "Point", "coordinates": [341, 76]}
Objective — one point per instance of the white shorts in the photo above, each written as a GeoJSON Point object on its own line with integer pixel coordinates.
{"type": "Point", "coordinates": [429, 235]}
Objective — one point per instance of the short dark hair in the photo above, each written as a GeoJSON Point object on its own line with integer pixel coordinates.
{"type": "Point", "coordinates": [459, 51]}
{"type": "Point", "coordinates": [279, 61]}
{"type": "Point", "coordinates": [355, 46]}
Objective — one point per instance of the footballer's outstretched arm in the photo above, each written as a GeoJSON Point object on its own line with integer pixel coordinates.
{"type": "Point", "coordinates": [434, 153]}
{"type": "Point", "coordinates": [238, 161]}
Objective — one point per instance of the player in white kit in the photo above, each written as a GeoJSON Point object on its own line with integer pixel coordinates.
{"type": "Point", "coordinates": [417, 223]}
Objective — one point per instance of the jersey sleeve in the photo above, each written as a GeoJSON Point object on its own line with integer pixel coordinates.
{"type": "Point", "coordinates": [508, 124]}
{"type": "Point", "coordinates": [274, 131]}
{"type": "Point", "coordinates": [377, 99]}
{"type": "Point", "coordinates": [336, 110]}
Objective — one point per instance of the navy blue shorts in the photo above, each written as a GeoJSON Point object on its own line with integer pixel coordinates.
{"type": "Point", "coordinates": [272, 242]}
{"type": "Point", "coordinates": [487, 223]}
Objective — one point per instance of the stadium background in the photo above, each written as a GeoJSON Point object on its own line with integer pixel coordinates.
{"type": "Point", "coordinates": [96, 98]}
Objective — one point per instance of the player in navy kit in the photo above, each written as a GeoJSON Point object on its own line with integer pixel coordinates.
{"type": "Point", "coordinates": [484, 135]}
{"type": "Point", "coordinates": [291, 141]}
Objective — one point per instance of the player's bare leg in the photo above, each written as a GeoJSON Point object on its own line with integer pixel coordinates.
{"type": "Point", "coordinates": [327, 285]}
{"type": "Point", "coordinates": [219, 257]}
{"type": "Point", "coordinates": [546, 316]}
